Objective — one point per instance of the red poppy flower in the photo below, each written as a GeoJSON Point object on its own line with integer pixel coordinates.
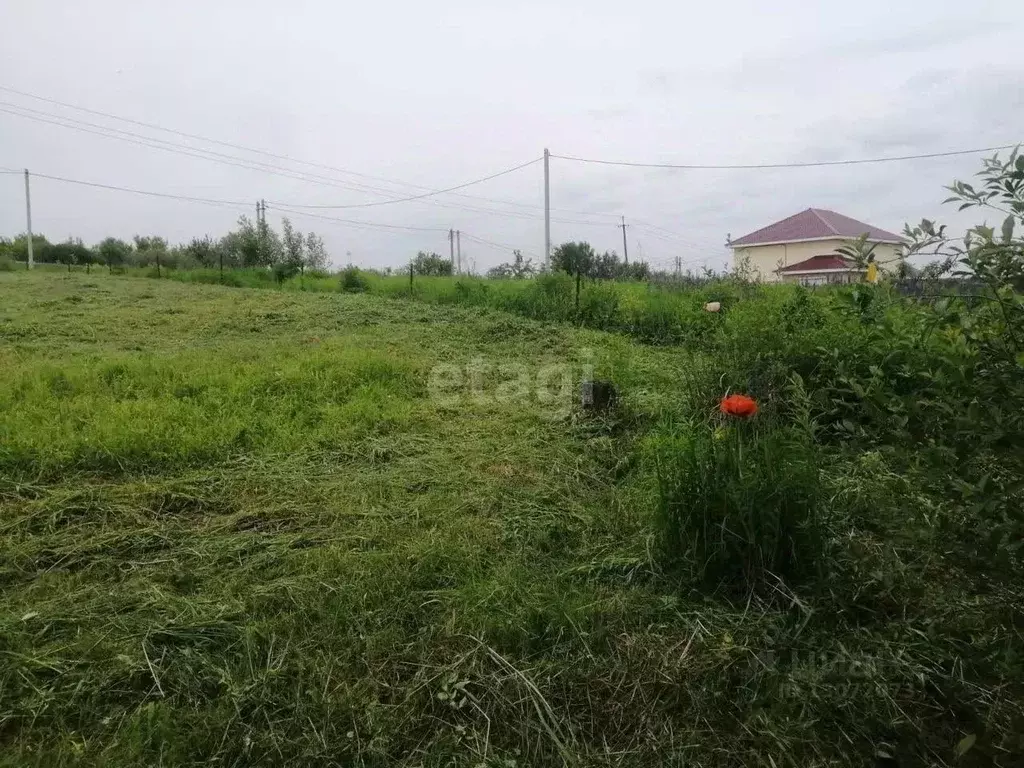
{"type": "Point", "coordinates": [740, 406]}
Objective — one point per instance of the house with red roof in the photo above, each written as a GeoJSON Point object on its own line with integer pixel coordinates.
{"type": "Point", "coordinates": [804, 248]}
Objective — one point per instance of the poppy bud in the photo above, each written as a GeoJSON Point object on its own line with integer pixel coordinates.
{"type": "Point", "coordinates": [741, 406]}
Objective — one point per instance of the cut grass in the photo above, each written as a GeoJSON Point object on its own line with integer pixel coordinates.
{"type": "Point", "coordinates": [652, 313]}
{"type": "Point", "coordinates": [236, 529]}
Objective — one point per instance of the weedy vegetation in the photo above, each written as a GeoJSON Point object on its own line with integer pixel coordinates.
{"type": "Point", "coordinates": [239, 527]}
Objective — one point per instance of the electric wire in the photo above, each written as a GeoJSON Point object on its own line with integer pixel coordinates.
{"type": "Point", "coordinates": [188, 198]}
{"type": "Point", "coordinates": [135, 138]}
{"type": "Point", "coordinates": [286, 158]}
{"type": "Point", "coordinates": [809, 164]}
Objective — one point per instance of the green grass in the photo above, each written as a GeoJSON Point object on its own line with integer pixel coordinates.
{"type": "Point", "coordinates": [649, 313]}
{"type": "Point", "coordinates": [238, 527]}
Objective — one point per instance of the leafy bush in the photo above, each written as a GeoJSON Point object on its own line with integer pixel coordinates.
{"type": "Point", "coordinates": [285, 270]}
{"type": "Point", "coordinates": [518, 269]}
{"type": "Point", "coordinates": [431, 264]}
{"type": "Point", "coordinates": [6, 264]}
{"type": "Point", "coordinates": [739, 504]}
{"type": "Point", "coordinates": [352, 281]}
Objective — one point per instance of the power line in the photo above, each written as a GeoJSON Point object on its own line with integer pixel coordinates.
{"type": "Point", "coordinates": [816, 164]}
{"type": "Point", "coordinates": [197, 137]}
{"type": "Point", "coordinates": [355, 222]}
{"type": "Point", "coordinates": [154, 143]}
{"type": "Point", "coordinates": [248, 164]}
{"type": "Point", "coordinates": [206, 154]}
{"type": "Point", "coordinates": [499, 246]}
{"type": "Point", "coordinates": [671, 238]}
{"type": "Point", "coordinates": [286, 158]}
{"type": "Point", "coordinates": [217, 157]}
{"type": "Point", "coordinates": [431, 194]}
{"type": "Point", "coordinates": [282, 209]}
{"type": "Point", "coordinates": [207, 200]}
{"type": "Point", "coordinates": [232, 204]}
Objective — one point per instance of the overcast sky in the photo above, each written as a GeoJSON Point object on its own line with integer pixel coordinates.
{"type": "Point", "coordinates": [435, 94]}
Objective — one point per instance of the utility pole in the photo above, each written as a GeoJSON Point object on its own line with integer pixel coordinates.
{"type": "Point", "coordinates": [547, 208]}
{"type": "Point", "coordinates": [625, 248]}
{"type": "Point", "coordinates": [451, 248]}
{"type": "Point", "coordinates": [259, 232]}
{"type": "Point", "coordinates": [261, 226]}
{"type": "Point", "coordinates": [28, 219]}
{"type": "Point", "coordinates": [458, 248]}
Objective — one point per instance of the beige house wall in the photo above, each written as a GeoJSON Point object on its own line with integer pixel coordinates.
{"type": "Point", "coordinates": [766, 259]}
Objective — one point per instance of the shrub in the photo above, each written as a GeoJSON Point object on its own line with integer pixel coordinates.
{"type": "Point", "coordinates": [6, 264]}
{"type": "Point", "coordinates": [285, 270]}
{"type": "Point", "coordinates": [739, 504]}
{"type": "Point", "coordinates": [353, 282]}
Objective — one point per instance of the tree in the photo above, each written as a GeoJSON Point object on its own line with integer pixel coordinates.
{"type": "Point", "coordinates": [40, 249]}
{"type": "Point", "coordinates": [149, 250]}
{"type": "Point", "coordinates": [293, 246]}
{"type": "Point", "coordinates": [573, 258]}
{"type": "Point", "coordinates": [316, 254]}
{"type": "Point", "coordinates": [431, 264]}
{"type": "Point", "coordinates": [63, 253]}
{"type": "Point", "coordinates": [638, 270]}
{"type": "Point", "coordinates": [991, 330]}
{"type": "Point", "coordinates": [150, 243]}
{"type": "Point", "coordinates": [114, 252]}
{"type": "Point", "coordinates": [232, 247]}
{"type": "Point", "coordinates": [84, 254]}
{"type": "Point", "coordinates": [202, 251]}
{"type": "Point", "coordinates": [70, 252]}
{"type": "Point", "coordinates": [269, 246]}
{"type": "Point", "coordinates": [983, 353]}
{"type": "Point", "coordinates": [518, 269]}
{"type": "Point", "coordinates": [252, 245]}
{"type": "Point", "coordinates": [606, 266]}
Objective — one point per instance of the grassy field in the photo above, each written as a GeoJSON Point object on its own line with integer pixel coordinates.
{"type": "Point", "coordinates": [250, 527]}
{"type": "Point", "coordinates": [652, 313]}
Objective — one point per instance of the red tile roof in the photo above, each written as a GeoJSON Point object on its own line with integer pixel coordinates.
{"type": "Point", "coordinates": [815, 223]}
{"type": "Point", "coordinates": [822, 262]}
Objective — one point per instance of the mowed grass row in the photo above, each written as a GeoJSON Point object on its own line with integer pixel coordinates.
{"type": "Point", "coordinates": [648, 312]}
{"type": "Point", "coordinates": [155, 413]}
{"type": "Point", "coordinates": [210, 522]}
{"type": "Point", "coordinates": [246, 528]}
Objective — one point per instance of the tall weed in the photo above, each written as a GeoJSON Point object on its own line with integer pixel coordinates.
{"type": "Point", "coordinates": [739, 504]}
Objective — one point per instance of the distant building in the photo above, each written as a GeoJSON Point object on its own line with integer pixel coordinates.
{"type": "Point", "coordinates": [804, 248]}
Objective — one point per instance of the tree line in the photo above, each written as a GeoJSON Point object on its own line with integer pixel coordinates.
{"type": "Point", "coordinates": [251, 244]}
{"type": "Point", "coordinates": [571, 258]}
{"type": "Point", "coordinates": [256, 244]}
